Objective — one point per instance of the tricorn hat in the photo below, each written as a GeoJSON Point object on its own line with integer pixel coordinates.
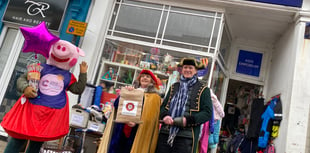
{"type": "Point", "coordinates": [192, 61]}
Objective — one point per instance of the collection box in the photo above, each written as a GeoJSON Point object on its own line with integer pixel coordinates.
{"type": "Point", "coordinates": [95, 126]}
{"type": "Point", "coordinates": [79, 118]}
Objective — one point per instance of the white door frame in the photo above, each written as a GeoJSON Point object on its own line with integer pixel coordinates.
{"type": "Point", "coordinates": [12, 59]}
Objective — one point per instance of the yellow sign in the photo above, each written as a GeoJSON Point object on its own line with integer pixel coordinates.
{"type": "Point", "coordinates": [76, 27]}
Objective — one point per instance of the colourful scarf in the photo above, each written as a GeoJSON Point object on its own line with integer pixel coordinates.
{"type": "Point", "coordinates": [177, 105]}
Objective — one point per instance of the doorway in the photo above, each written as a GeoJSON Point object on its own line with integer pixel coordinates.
{"type": "Point", "coordinates": [239, 98]}
{"type": "Point", "coordinates": [238, 104]}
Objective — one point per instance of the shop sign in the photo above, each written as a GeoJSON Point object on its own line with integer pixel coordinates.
{"type": "Point", "coordinates": [33, 12]}
{"type": "Point", "coordinates": [294, 3]}
{"type": "Point", "coordinates": [249, 63]}
{"type": "Point", "coordinates": [76, 27]}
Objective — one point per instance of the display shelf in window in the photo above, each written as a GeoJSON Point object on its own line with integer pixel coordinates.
{"type": "Point", "coordinates": [109, 72]}
{"type": "Point", "coordinates": [128, 56]}
{"type": "Point", "coordinates": [125, 84]}
{"type": "Point", "coordinates": [119, 57]}
{"type": "Point", "coordinates": [119, 85]}
{"type": "Point", "coordinates": [126, 75]}
{"type": "Point", "coordinates": [105, 80]}
{"type": "Point", "coordinates": [117, 75]}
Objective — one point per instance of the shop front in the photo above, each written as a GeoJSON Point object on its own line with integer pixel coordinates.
{"type": "Point", "coordinates": [16, 13]}
{"type": "Point", "coordinates": [245, 43]}
{"type": "Point", "coordinates": [251, 50]}
{"type": "Point", "coordinates": [156, 36]}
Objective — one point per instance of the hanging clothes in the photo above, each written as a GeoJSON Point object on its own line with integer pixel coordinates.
{"type": "Point", "coordinates": [214, 137]}
{"type": "Point", "coordinates": [268, 120]}
{"type": "Point", "coordinates": [277, 119]}
{"type": "Point", "coordinates": [230, 121]}
{"type": "Point", "coordinates": [212, 127]}
{"type": "Point", "coordinates": [248, 146]}
{"type": "Point", "coordinates": [218, 115]}
{"type": "Point", "coordinates": [257, 109]}
{"type": "Point", "coordinates": [217, 107]}
{"type": "Point", "coordinates": [203, 142]}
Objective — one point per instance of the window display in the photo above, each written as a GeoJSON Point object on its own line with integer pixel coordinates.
{"type": "Point", "coordinates": [155, 36]}
{"type": "Point", "coordinates": [122, 62]}
{"type": "Point", "coordinates": [6, 47]}
{"type": "Point", "coordinates": [217, 80]}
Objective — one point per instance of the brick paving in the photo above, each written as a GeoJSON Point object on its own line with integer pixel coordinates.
{"type": "Point", "coordinates": [2, 145]}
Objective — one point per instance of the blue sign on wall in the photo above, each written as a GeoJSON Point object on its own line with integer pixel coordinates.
{"type": "Point", "coordinates": [294, 3]}
{"type": "Point", "coordinates": [249, 63]}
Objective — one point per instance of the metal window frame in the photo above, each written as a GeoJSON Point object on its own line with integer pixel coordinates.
{"type": "Point", "coordinates": [163, 9]}
{"type": "Point", "coordinates": [9, 68]}
{"type": "Point", "coordinates": [158, 41]}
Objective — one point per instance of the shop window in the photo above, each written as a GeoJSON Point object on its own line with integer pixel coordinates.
{"type": "Point", "coordinates": [12, 94]}
{"type": "Point", "coordinates": [166, 25]}
{"type": "Point", "coordinates": [191, 26]}
{"type": "Point", "coordinates": [6, 47]}
{"type": "Point", "coordinates": [224, 48]}
{"type": "Point", "coordinates": [217, 81]}
{"type": "Point", "coordinates": [216, 32]}
{"type": "Point", "coordinates": [135, 21]}
{"type": "Point", "coordinates": [188, 28]}
{"type": "Point", "coordinates": [114, 13]}
{"type": "Point", "coordinates": [137, 29]}
{"type": "Point", "coordinates": [191, 11]}
{"type": "Point", "coordinates": [137, 3]}
{"type": "Point", "coordinates": [122, 62]}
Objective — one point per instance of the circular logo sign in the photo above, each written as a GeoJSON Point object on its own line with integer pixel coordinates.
{"type": "Point", "coordinates": [51, 84]}
{"type": "Point", "coordinates": [130, 106]}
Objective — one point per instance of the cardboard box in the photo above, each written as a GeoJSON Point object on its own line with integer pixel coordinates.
{"type": "Point", "coordinates": [79, 118]}
{"type": "Point", "coordinates": [94, 126]}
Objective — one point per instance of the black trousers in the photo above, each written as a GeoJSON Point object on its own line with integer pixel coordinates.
{"type": "Point", "coordinates": [15, 145]}
{"type": "Point", "coordinates": [180, 144]}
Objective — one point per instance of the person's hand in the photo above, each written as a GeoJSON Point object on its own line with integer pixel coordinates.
{"type": "Point", "coordinates": [131, 124]}
{"type": "Point", "coordinates": [168, 120]}
{"type": "Point", "coordinates": [83, 67]}
{"type": "Point", "coordinates": [129, 88]}
{"type": "Point", "coordinates": [30, 92]}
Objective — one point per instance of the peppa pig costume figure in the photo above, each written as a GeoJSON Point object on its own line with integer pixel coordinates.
{"type": "Point", "coordinates": [44, 115]}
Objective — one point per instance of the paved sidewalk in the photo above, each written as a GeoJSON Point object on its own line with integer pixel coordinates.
{"type": "Point", "coordinates": [2, 145]}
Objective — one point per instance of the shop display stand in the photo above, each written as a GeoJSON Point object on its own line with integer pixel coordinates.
{"type": "Point", "coordinates": [122, 75]}
{"type": "Point", "coordinates": [73, 138]}
{"type": "Point", "coordinates": [70, 140]}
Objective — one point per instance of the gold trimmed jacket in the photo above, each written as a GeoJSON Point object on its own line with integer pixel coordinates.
{"type": "Point", "coordinates": [200, 108]}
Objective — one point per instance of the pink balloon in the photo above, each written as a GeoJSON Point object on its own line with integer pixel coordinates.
{"type": "Point", "coordinates": [38, 39]}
